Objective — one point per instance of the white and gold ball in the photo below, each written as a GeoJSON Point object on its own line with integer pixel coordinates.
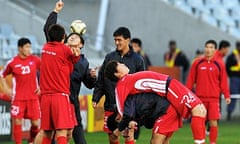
{"type": "Point", "coordinates": [78, 26]}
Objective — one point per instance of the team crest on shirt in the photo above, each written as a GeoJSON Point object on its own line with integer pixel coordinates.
{"type": "Point", "coordinates": [18, 65]}
{"type": "Point", "coordinates": [31, 63]}
{"type": "Point", "coordinates": [203, 68]}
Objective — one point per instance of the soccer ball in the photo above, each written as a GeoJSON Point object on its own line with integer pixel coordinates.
{"type": "Point", "coordinates": [78, 26]}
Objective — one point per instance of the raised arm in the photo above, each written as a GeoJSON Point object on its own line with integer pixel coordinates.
{"type": "Point", "coordinates": [52, 18]}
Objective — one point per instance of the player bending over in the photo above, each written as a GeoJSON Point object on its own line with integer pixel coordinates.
{"type": "Point", "coordinates": [183, 100]}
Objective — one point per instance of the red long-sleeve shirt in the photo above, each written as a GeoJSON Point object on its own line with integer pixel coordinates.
{"type": "Point", "coordinates": [210, 78]}
{"type": "Point", "coordinates": [56, 67]}
{"type": "Point", "coordinates": [24, 72]}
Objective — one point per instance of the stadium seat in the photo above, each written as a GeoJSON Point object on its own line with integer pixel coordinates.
{"type": "Point", "coordinates": [6, 30]}
{"type": "Point", "coordinates": [35, 45]}
{"type": "Point", "coordinates": [183, 6]}
{"type": "Point", "coordinates": [233, 31]}
{"type": "Point", "coordinates": [5, 53]}
{"type": "Point", "coordinates": [223, 14]}
{"type": "Point", "coordinates": [209, 19]}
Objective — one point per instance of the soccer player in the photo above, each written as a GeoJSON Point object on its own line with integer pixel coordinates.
{"type": "Point", "coordinates": [104, 86]}
{"type": "Point", "coordinates": [56, 67]}
{"type": "Point", "coordinates": [152, 111]}
{"type": "Point", "coordinates": [25, 91]}
{"type": "Point", "coordinates": [136, 43]}
{"type": "Point", "coordinates": [210, 77]}
{"type": "Point", "coordinates": [81, 73]}
{"type": "Point", "coordinates": [182, 99]}
{"type": "Point", "coordinates": [223, 49]}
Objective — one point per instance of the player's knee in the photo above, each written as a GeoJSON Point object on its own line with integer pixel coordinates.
{"type": "Point", "coordinates": [35, 122]}
{"type": "Point", "coordinates": [69, 135]}
{"type": "Point", "coordinates": [158, 139]}
{"type": "Point", "coordinates": [113, 138]}
{"type": "Point", "coordinates": [213, 123]}
{"type": "Point", "coordinates": [199, 110]}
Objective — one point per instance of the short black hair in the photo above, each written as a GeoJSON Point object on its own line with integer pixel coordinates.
{"type": "Point", "coordinates": [56, 33]}
{"type": "Point", "coordinates": [137, 40]}
{"type": "Point", "coordinates": [172, 42]}
{"type": "Point", "coordinates": [199, 52]}
{"type": "Point", "coordinates": [238, 44]}
{"type": "Point", "coordinates": [211, 42]}
{"type": "Point", "coordinates": [22, 41]}
{"type": "Point", "coordinates": [110, 69]}
{"type": "Point", "coordinates": [224, 44]}
{"type": "Point", "coordinates": [122, 31]}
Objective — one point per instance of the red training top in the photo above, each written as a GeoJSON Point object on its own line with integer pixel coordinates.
{"type": "Point", "coordinates": [56, 67]}
{"type": "Point", "coordinates": [144, 81]}
{"type": "Point", "coordinates": [210, 78]}
{"type": "Point", "coordinates": [24, 72]}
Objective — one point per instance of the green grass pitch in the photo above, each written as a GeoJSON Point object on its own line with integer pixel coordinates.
{"type": "Point", "coordinates": [229, 133]}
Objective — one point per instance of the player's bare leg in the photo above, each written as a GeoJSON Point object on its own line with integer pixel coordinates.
{"type": "Point", "coordinates": [61, 136]}
{"type": "Point", "coordinates": [198, 124]}
{"type": "Point", "coordinates": [46, 136]}
{"type": "Point", "coordinates": [39, 137]}
{"type": "Point", "coordinates": [34, 130]}
{"type": "Point", "coordinates": [159, 139]}
{"type": "Point", "coordinates": [113, 139]}
{"type": "Point", "coordinates": [69, 135]}
{"type": "Point", "coordinates": [128, 133]}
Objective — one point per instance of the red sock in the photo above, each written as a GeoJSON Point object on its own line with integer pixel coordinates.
{"type": "Point", "coordinates": [17, 133]}
{"type": "Point", "coordinates": [198, 129]}
{"type": "Point", "coordinates": [129, 142]}
{"type": "Point", "coordinates": [46, 140]}
{"type": "Point", "coordinates": [61, 140]}
{"type": "Point", "coordinates": [33, 132]}
{"type": "Point", "coordinates": [213, 133]}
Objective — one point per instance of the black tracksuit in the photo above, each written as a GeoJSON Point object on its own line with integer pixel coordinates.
{"type": "Point", "coordinates": [106, 87]}
{"type": "Point", "coordinates": [144, 108]}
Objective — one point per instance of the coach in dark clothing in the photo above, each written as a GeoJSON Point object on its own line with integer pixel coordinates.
{"type": "Point", "coordinates": [144, 108]}
{"type": "Point", "coordinates": [81, 73]}
{"type": "Point", "coordinates": [124, 54]}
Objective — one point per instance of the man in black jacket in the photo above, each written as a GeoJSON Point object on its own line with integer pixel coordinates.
{"type": "Point", "coordinates": [124, 54]}
{"type": "Point", "coordinates": [81, 73]}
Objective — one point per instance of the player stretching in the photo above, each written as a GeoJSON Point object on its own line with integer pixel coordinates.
{"type": "Point", "coordinates": [183, 100]}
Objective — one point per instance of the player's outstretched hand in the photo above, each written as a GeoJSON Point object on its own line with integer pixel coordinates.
{"type": "Point", "coordinates": [58, 7]}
